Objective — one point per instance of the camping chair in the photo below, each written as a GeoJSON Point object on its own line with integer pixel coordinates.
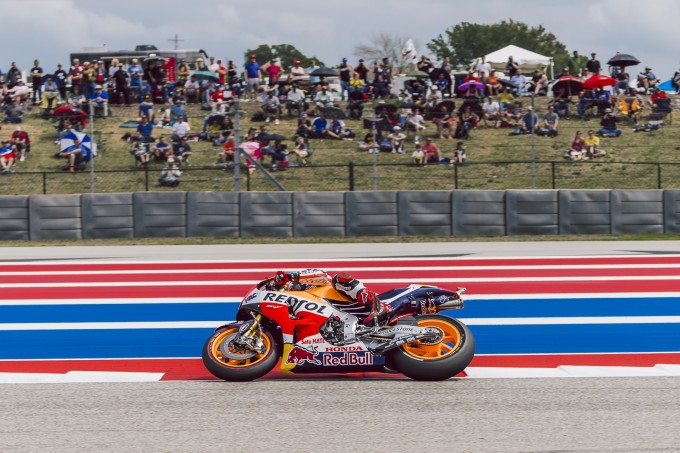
{"type": "Point", "coordinates": [662, 111]}
{"type": "Point", "coordinates": [629, 108]}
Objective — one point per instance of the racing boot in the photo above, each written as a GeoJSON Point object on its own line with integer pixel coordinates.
{"type": "Point", "coordinates": [378, 310]}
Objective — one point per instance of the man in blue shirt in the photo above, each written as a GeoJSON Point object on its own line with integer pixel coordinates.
{"type": "Point", "coordinates": [529, 121]}
{"type": "Point", "coordinates": [319, 126]}
{"type": "Point", "coordinates": [252, 76]}
{"type": "Point", "coordinates": [136, 73]}
{"type": "Point", "coordinates": [647, 79]}
{"type": "Point", "coordinates": [101, 101]}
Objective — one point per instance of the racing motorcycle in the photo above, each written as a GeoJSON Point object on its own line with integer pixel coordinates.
{"type": "Point", "coordinates": [317, 329]}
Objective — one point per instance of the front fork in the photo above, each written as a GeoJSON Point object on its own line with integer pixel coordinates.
{"type": "Point", "coordinates": [250, 334]}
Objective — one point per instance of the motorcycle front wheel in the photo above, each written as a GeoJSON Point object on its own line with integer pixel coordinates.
{"type": "Point", "coordinates": [435, 361]}
{"type": "Point", "coordinates": [230, 363]}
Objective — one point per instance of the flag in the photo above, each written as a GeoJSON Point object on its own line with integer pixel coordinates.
{"type": "Point", "coordinates": [409, 51]}
{"type": "Point", "coordinates": [87, 147]}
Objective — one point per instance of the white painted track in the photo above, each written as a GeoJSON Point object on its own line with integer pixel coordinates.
{"type": "Point", "coordinates": [470, 415]}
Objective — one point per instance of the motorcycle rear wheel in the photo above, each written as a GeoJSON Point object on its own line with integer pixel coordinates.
{"type": "Point", "coordinates": [425, 361]}
{"type": "Point", "coordinates": [248, 367]}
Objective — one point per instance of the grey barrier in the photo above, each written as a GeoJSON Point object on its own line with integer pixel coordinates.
{"type": "Point", "coordinates": [337, 214]}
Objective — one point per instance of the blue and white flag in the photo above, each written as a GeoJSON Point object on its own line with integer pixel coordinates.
{"type": "Point", "coordinates": [87, 147]}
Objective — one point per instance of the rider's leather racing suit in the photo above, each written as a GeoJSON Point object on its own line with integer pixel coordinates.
{"type": "Point", "coordinates": [343, 283]}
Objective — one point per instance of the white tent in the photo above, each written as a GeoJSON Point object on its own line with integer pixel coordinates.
{"type": "Point", "coordinates": [526, 59]}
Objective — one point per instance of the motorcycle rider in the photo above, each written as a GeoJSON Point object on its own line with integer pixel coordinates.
{"type": "Point", "coordinates": [343, 282]}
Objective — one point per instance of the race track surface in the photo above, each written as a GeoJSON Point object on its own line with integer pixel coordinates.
{"type": "Point", "coordinates": [622, 297]}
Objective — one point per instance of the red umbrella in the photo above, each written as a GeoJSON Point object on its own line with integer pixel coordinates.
{"type": "Point", "coordinates": [599, 81]}
{"type": "Point", "coordinates": [570, 84]}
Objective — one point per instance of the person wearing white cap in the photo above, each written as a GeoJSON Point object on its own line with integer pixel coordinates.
{"type": "Point", "coordinates": [397, 139]}
{"type": "Point", "coordinates": [170, 174]}
{"type": "Point", "coordinates": [136, 73]}
{"type": "Point", "coordinates": [608, 125]}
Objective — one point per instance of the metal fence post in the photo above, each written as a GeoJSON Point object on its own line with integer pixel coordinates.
{"type": "Point", "coordinates": [658, 175]}
{"type": "Point", "coordinates": [350, 175]}
{"type": "Point", "coordinates": [552, 171]}
{"type": "Point", "coordinates": [455, 177]}
{"type": "Point", "coordinates": [146, 178]}
{"type": "Point", "coordinates": [44, 174]}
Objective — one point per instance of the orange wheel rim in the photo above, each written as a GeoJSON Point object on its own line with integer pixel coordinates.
{"type": "Point", "coordinates": [248, 360]}
{"type": "Point", "coordinates": [449, 343]}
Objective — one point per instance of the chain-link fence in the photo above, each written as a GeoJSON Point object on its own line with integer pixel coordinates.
{"type": "Point", "coordinates": [363, 177]}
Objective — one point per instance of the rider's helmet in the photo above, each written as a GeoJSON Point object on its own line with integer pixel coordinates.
{"type": "Point", "coordinates": [281, 278]}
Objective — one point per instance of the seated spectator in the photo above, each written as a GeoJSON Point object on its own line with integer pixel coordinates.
{"type": "Point", "coordinates": [295, 100]}
{"type": "Point", "coordinates": [161, 149]}
{"type": "Point", "coordinates": [19, 93]}
{"type": "Point", "coordinates": [101, 101]}
{"type": "Point", "coordinates": [228, 150]}
{"type": "Point", "coordinates": [271, 106]}
{"type": "Point", "coordinates": [415, 122]}
{"type": "Point", "coordinates": [338, 130]}
{"type": "Point", "coordinates": [319, 127]}
{"type": "Point", "coordinates": [505, 99]}
{"type": "Point", "coordinates": [170, 175]}
{"type": "Point", "coordinates": [434, 98]}
{"type": "Point", "coordinates": [278, 152]}
{"type": "Point", "coordinates": [576, 150]}
{"type": "Point", "coordinates": [141, 153]}
{"type": "Point", "coordinates": [145, 131]}
{"type": "Point", "coordinates": [380, 87]}
{"type": "Point", "coordinates": [630, 107]}
{"type": "Point", "coordinates": [550, 122]}
{"type": "Point", "coordinates": [622, 82]}
{"type": "Point", "coordinates": [520, 81]}
{"type": "Point", "coordinates": [608, 125]}
{"type": "Point", "coordinates": [181, 151]}
{"type": "Point", "coordinates": [397, 139]}
{"type": "Point", "coordinates": [657, 98]}
{"type": "Point", "coordinates": [647, 79]}
{"type": "Point", "coordinates": [178, 104]}
{"type": "Point", "coordinates": [218, 102]}
{"type": "Point", "coordinates": [146, 109]}
{"type": "Point", "coordinates": [370, 145]}
{"type": "Point", "coordinates": [51, 96]}
{"type": "Point", "coordinates": [304, 126]}
{"type": "Point", "coordinates": [192, 90]}
{"type": "Point", "coordinates": [603, 100]}
{"type": "Point", "coordinates": [418, 156]}
{"type": "Point", "coordinates": [467, 120]}
{"type": "Point", "coordinates": [180, 129]}
{"type": "Point", "coordinates": [459, 154]}
{"type": "Point", "coordinates": [492, 112]}
{"type": "Point", "coordinates": [493, 84]}
{"type": "Point", "coordinates": [443, 84]}
{"type": "Point", "coordinates": [432, 153]}
{"type": "Point", "coordinates": [323, 98]}
{"type": "Point", "coordinates": [529, 121]}
{"type": "Point", "coordinates": [445, 122]}
{"type": "Point", "coordinates": [585, 102]}
{"type": "Point", "coordinates": [301, 150]}
{"type": "Point", "coordinates": [592, 146]}
{"type": "Point", "coordinates": [76, 99]}
{"type": "Point", "coordinates": [7, 157]}
{"type": "Point", "coordinates": [74, 154]}
{"type": "Point", "coordinates": [538, 83]}
{"type": "Point", "coordinates": [513, 115]}
{"type": "Point", "coordinates": [21, 143]}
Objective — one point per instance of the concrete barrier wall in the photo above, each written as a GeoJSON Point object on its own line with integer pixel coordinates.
{"type": "Point", "coordinates": [338, 214]}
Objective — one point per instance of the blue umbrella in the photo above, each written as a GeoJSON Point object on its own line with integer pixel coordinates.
{"type": "Point", "coordinates": [87, 147]}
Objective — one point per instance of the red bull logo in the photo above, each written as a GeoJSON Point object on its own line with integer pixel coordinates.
{"type": "Point", "coordinates": [299, 356]}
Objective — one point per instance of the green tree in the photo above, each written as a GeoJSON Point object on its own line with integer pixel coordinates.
{"type": "Point", "coordinates": [286, 54]}
{"type": "Point", "coordinates": [465, 42]}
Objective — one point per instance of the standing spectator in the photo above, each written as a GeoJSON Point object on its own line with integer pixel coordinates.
{"type": "Point", "coordinates": [593, 65]}
{"type": "Point", "coordinates": [576, 64]}
{"type": "Point", "coordinates": [297, 72]}
{"type": "Point", "coordinates": [183, 73]}
{"type": "Point", "coordinates": [221, 72]}
{"type": "Point", "coordinates": [36, 79]}
{"type": "Point", "coordinates": [60, 78]}
{"type": "Point", "coordinates": [121, 79]}
{"type": "Point", "coordinates": [136, 79]}
{"type": "Point", "coordinates": [213, 66]}
{"type": "Point", "coordinates": [425, 64]}
{"type": "Point", "coordinates": [313, 80]}
{"type": "Point", "coordinates": [252, 76]}
{"type": "Point", "coordinates": [156, 76]}
{"type": "Point", "coordinates": [88, 79]}
{"type": "Point", "coordinates": [511, 67]}
{"type": "Point", "coordinates": [362, 70]}
{"type": "Point", "coordinates": [345, 78]}
{"type": "Point", "coordinates": [483, 70]}
{"type": "Point", "coordinates": [7, 157]}
{"type": "Point", "coordinates": [273, 71]}
{"type": "Point", "coordinates": [75, 73]}
{"type": "Point", "coordinates": [13, 75]}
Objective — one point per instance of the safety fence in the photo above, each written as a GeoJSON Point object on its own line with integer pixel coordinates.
{"type": "Point", "coordinates": [337, 214]}
{"type": "Point", "coordinates": [362, 177]}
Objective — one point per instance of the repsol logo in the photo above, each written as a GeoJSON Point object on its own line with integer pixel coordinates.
{"type": "Point", "coordinates": [296, 305]}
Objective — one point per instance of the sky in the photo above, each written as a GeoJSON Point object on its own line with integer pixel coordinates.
{"type": "Point", "coordinates": [50, 30]}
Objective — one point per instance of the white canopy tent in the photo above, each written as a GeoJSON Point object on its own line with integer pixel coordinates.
{"type": "Point", "coordinates": [526, 59]}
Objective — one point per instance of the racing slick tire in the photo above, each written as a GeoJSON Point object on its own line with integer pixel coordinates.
{"type": "Point", "coordinates": [242, 365]}
{"type": "Point", "coordinates": [425, 361]}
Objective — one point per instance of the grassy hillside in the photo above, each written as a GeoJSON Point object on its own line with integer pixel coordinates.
{"type": "Point", "coordinates": [621, 168]}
